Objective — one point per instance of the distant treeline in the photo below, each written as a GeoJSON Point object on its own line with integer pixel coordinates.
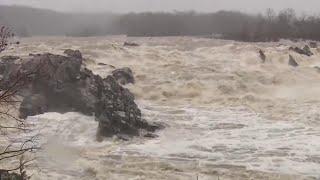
{"type": "Point", "coordinates": [269, 26]}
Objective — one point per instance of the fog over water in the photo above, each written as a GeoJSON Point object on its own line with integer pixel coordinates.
{"type": "Point", "coordinates": [123, 6]}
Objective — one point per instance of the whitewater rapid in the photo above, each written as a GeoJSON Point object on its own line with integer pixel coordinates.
{"type": "Point", "coordinates": [226, 114]}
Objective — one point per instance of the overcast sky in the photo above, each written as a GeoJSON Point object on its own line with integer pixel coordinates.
{"type": "Point", "coordinates": [305, 6]}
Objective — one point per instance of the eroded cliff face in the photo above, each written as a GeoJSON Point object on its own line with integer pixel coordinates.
{"type": "Point", "coordinates": [60, 83]}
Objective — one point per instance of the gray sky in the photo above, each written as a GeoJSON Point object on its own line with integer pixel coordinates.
{"type": "Point", "coordinates": [304, 6]}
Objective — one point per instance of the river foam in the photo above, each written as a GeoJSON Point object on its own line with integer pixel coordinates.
{"type": "Point", "coordinates": [226, 114]}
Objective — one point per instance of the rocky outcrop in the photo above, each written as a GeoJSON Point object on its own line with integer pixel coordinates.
{"type": "Point", "coordinates": [292, 61]}
{"type": "Point", "coordinates": [73, 53]}
{"type": "Point", "coordinates": [62, 84]}
{"type": "Point", "coordinates": [123, 76]}
{"type": "Point", "coordinates": [304, 51]}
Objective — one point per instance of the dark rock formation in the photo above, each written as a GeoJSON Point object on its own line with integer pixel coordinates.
{"type": "Point", "coordinates": [73, 53]}
{"type": "Point", "coordinates": [61, 84]}
{"type": "Point", "coordinates": [130, 44]}
{"type": "Point", "coordinates": [292, 61]}
{"type": "Point", "coordinates": [305, 51]}
{"type": "Point", "coordinates": [262, 56]}
{"type": "Point", "coordinates": [123, 76]}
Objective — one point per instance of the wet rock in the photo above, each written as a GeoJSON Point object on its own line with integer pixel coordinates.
{"type": "Point", "coordinates": [292, 61]}
{"type": "Point", "coordinates": [262, 56]}
{"type": "Point", "coordinates": [130, 44]}
{"type": "Point", "coordinates": [313, 44]}
{"type": "Point", "coordinates": [151, 135]}
{"type": "Point", "coordinates": [123, 76]}
{"type": "Point", "coordinates": [307, 50]}
{"type": "Point", "coordinates": [31, 54]}
{"type": "Point", "coordinates": [304, 51]}
{"type": "Point", "coordinates": [61, 84]}
{"type": "Point", "coordinates": [73, 53]}
{"type": "Point", "coordinates": [104, 64]}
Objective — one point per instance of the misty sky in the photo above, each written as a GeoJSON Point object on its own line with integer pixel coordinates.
{"type": "Point", "coordinates": [304, 6]}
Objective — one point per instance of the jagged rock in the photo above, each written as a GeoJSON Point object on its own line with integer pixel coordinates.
{"type": "Point", "coordinates": [123, 76]}
{"type": "Point", "coordinates": [305, 51]}
{"type": "Point", "coordinates": [61, 84]}
{"type": "Point", "coordinates": [292, 61]}
{"type": "Point", "coordinates": [313, 44]}
{"type": "Point", "coordinates": [130, 44]}
{"type": "Point", "coordinates": [262, 56]}
{"type": "Point", "coordinates": [73, 53]}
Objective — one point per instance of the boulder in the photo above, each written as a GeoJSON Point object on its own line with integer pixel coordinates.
{"type": "Point", "coordinates": [304, 51]}
{"type": "Point", "coordinates": [62, 84]}
{"type": "Point", "coordinates": [292, 61]}
{"type": "Point", "coordinates": [123, 76]}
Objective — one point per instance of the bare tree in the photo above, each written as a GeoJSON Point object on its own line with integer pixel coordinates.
{"type": "Point", "coordinates": [5, 34]}
{"type": "Point", "coordinates": [13, 155]}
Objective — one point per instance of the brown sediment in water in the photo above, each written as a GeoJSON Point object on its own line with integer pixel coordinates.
{"type": "Point", "coordinates": [227, 115]}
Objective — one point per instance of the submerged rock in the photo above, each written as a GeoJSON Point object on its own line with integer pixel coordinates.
{"type": "Point", "coordinates": [304, 51]}
{"type": "Point", "coordinates": [130, 44]}
{"type": "Point", "coordinates": [262, 56]}
{"type": "Point", "coordinates": [292, 61]}
{"type": "Point", "coordinates": [61, 84]}
{"type": "Point", "coordinates": [123, 76]}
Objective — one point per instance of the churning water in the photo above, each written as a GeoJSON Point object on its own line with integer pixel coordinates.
{"type": "Point", "coordinates": [227, 115]}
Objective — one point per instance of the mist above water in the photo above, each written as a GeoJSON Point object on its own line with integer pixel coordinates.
{"type": "Point", "coordinates": [268, 26]}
